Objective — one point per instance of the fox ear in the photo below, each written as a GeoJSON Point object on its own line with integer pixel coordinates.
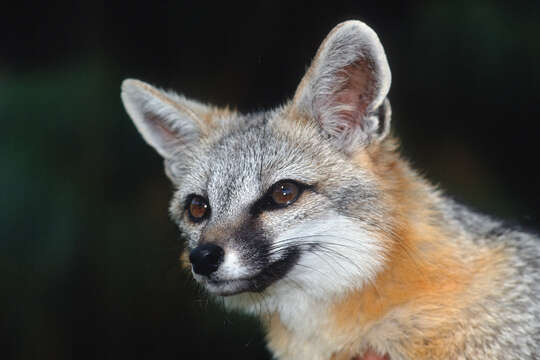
{"type": "Point", "coordinates": [345, 88]}
{"type": "Point", "coordinates": [167, 121]}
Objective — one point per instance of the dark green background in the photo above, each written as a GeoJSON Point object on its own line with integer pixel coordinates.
{"type": "Point", "coordinates": [88, 258]}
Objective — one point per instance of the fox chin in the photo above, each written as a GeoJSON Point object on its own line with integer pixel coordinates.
{"type": "Point", "coordinates": [307, 216]}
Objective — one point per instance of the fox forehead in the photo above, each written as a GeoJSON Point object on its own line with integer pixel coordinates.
{"type": "Point", "coordinates": [247, 160]}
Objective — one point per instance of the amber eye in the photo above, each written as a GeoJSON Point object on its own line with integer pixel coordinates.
{"type": "Point", "coordinates": [285, 193]}
{"type": "Point", "coordinates": [197, 208]}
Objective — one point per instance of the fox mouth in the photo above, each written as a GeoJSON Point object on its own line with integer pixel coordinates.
{"type": "Point", "coordinates": [229, 287]}
{"type": "Point", "coordinates": [257, 283]}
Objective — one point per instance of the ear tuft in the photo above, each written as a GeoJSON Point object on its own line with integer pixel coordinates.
{"type": "Point", "coordinates": [346, 86]}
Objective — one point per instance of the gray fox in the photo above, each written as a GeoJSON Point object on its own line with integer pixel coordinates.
{"type": "Point", "coordinates": [308, 217]}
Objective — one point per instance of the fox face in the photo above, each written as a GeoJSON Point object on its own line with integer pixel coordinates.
{"type": "Point", "coordinates": [261, 206]}
{"type": "Point", "coordinates": [287, 199]}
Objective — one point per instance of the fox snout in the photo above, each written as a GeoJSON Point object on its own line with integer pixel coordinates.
{"type": "Point", "coordinates": [245, 261]}
{"type": "Point", "coordinates": [206, 258]}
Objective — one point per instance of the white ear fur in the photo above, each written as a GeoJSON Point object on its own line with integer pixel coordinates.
{"type": "Point", "coordinates": [346, 85]}
{"type": "Point", "coordinates": [167, 121]}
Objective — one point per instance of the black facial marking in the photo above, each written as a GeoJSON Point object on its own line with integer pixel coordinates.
{"type": "Point", "coordinates": [276, 270]}
{"type": "Point", "coordinates": [258, 249]}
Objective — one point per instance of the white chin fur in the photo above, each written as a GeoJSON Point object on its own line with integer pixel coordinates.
{"type": "Point", "coordinates": [346, 259]}
{"type": "Point", "coordinates": [232, 267]}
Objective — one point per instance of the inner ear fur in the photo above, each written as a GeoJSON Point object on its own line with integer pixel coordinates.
{"type": "Point", "coordinates": [345, 88]}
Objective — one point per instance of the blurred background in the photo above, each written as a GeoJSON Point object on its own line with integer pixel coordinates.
{"type": "Point", "coordinates": [88, 257]}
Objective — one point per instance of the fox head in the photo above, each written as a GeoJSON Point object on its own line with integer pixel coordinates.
{"type": "Point", "coordinates": [287, 199]}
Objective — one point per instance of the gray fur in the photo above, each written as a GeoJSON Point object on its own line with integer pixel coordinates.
{"type": "Point", "coordinates": [262, 156]}
{"type": "Point", "coordinates": [505, 325]}
{"type": "Point", "coordinates": [510, 323]}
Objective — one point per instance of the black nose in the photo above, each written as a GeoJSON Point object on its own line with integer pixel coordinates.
{"type": "Point", "coordinates": [206, 258]}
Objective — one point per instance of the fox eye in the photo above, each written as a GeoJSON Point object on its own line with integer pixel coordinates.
{"type": "Point", "coordinates": [280, 195]}
{"type": "Point", "coordinates": [197, 208]}
{"type": "Point", "coordinates": [285, 192]}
